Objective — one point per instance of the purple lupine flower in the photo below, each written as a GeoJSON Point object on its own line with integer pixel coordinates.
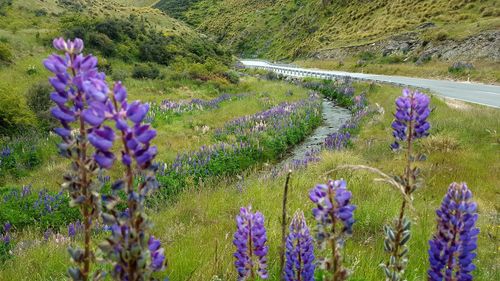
{"type": "Point", "coordinates": [157, 255]}
{"type": "Point", "coordinates": [81, 91]}
{"type": "Point", "coordinates": [6, 227]}
{"type": "Point", "coordinates": [453, 246]}
{"type": "Point", "coordinates": [47, 234]}
{"type": "Point", "coordinates": [337, 141]}
{"type": "Point", "coordinates": [71, 230]}
{"type": "Point", "coordinates": [412, 110]}
{"type": "Point", "coordinates": [333, 209]}
{"type": "Point", "coordinates": [138, 136]}
{"type": "Point", "coordinates": [333, 204]}
{"type": "Point", "coordinates": [250, 241]}
{"type": "Point", "coordinates": [299, 251]}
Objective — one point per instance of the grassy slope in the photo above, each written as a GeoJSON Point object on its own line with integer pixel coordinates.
{"type": "Point", "coordinates": [299, 27]}
{"type": "Point", "coordinates": [25, 33]}
{"type": "Point", "coordinates": [285, 29]}
{"type": "Point", "coordinates": [203, 220]}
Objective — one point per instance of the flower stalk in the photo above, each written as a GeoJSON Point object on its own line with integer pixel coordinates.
{"type": "Point", "coordinates": [409, 125]}
{"type": "Point", "coordinates": [333, 210]}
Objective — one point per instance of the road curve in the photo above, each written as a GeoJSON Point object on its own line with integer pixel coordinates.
{"type": "Point", "coordinates": [488, 95]}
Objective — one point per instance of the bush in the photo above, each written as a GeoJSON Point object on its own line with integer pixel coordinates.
{"type": "Point", "coordinates": [43, 209]}
{"type": "Point", "coordinates": [38, 100]}
{"type": "Point", "coordinates": [119, 75]}
{"type": "Point", "coordinates": [146, 71]}
{"type": "Point", "coordinates": [15, 116]}
{"type": "Point", "coordinates": [460, 67]}
{"type": "Point", "coordinates": [367, 56]}
{"type": "Point", "coordinates": [232, 76]}
{"type": "Point", "coordinates": [5, 54]}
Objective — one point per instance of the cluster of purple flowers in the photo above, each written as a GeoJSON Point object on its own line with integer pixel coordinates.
{"type": "Point", "coordinates": [250, 241]}
{"type": "Point", "coordinates": [197, 163]}
{"type": "Point", "coordinates": [412, 110]}
{"type": "Point", "coordinates": [452, 248]}
{"type": "Point", "coordinates": [333, 209]}
{"type": "Point", "coordinates": [82, 95]}
{"type": "Point", "coordinates": [337, 141]}
{"type": "Point", "coordinates": [299, 251]}
{"type": "Point", "coordinates": [333, 202]}
{"type": "Point", "coordinates": [274, 120]}
{"type": "Point", "coordinates": [311, 156]}
{"type": "Point", "coordinates": [168, 107]}
{"type": "Point", "coordinates": [5, 236]}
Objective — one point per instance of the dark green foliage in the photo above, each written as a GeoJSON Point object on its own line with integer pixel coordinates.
{"type": "Point", "coordinates": [5, 54]}
{"type": "Point", "coordinates": [43, 209]}
{"type": "Point", "coordinates": [460, 67]}
{"type": "Point", "coordinates": [146, 71]}
{"type": "Point", "coordinates": [38, 100]}
{"type": "Point", "coordinates": [22, 154]}
{"type": "Point", "coordinates": [4, 4]}
{"type": "Point", "coordinates": [134, 39]}
{"type": "Point", "coordinates": [119, 75]}
{"type": "Point", "coordinates": [232, 76]}
{"type": "Point", "coordinates": [5, 249]}
{"type": "Point", "coordinates": [367, 56]}
{"type": "Point", "coordinates": [15, 116]}
{"type": "Point", "coordinates": [175, 8]}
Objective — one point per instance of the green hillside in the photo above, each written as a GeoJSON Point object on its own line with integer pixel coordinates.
{"type": "Point", "coordinates": [284, 28]}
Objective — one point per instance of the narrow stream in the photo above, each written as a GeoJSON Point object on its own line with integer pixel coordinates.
{"type": "Point", "coordinates": [333, 117]}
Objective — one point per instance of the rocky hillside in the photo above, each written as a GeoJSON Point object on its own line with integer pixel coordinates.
{"type": "Point", "coordinates": [288, 29]}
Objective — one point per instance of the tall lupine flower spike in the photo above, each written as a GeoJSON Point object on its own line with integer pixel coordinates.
{"type": "Point", "coordinates": [453, 246]}
{"type": "Point", "coordinates": [80, 96]}
{"type": "Point", "coordinates": [335, 218]}
{"type": "Point", "coordinates": [134, 254]}
{"type": "Point", "coordinates": [412, 110]}
{"type": "Point", "coordinates": [410, 124]}
{"type": "Point", "coordinates": [250, 241]}
{"type": "Point", "coordinates": [299, 251]}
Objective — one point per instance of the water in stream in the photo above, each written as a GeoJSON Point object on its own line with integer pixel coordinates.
{"type": "Point", "coordinates": [333, 118]}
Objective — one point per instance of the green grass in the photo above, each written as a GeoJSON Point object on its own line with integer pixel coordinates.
{"type": "Point", "coordinates": [202, 221]}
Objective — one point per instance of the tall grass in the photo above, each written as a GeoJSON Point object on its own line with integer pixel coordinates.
{"type": "Point", "coordinates": [198, 227]}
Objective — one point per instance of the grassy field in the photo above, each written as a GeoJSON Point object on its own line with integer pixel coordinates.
{"type": "Point", "coordinates": [198, 227]}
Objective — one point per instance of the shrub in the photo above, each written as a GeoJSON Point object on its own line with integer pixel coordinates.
{"type": "Point", "coordinates": [43, 210]}
{"type": "Point", "coordinates": [120, 75]}
{"type": "Point", "coordinates": [146, 71]}
{"type": "Point", "coordinates": [5, 53]}
{"type": "Point", "coordinates": [14, 114]}
{"type": "Point", "coordinates": [460, 67]}
{"type": "Point", "coordinates": [38, 100]}
{"type": "Point", "coordinates": [232, 76]}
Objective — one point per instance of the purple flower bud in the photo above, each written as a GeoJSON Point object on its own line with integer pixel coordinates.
{"type": "Point", "coordinates": [412, 110]}
{"type": "Point", "coordinates": [104, 159]}
{"type": "Point", "coordinates": [63, 115]}
{"type": "Point", "coordinates": [453, 246]}
{"type": "Point", "coordinates": [56, 64]}
{"type": "Point", "coordinates": [120, 92]}
{"type": "Point", "coordinates": [95, 114]}
{"type": "Point", "coordinates": [102, 139]}
{"type": "Point", "coordinates": [96, 89]}
{"type": "Point", "coordinates": [157, 256]}
{"type": "Point", "coordinates": [6, 227]}
{"type": "Point", "coordinates": [250, 241]}
{"type": "Point", "coordinates": [299, 251]}
{"type": "Point", "coordinates": [137, 111]}
{"type": "Point", "coordinates": [71, 230]}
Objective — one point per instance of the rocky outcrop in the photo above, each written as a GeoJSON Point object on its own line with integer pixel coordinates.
{"type": "Point", "coordinates": [483, 46]}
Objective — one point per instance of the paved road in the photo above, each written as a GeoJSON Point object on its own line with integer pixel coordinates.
{"type": "Point", "coordinates": [484, 94]}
